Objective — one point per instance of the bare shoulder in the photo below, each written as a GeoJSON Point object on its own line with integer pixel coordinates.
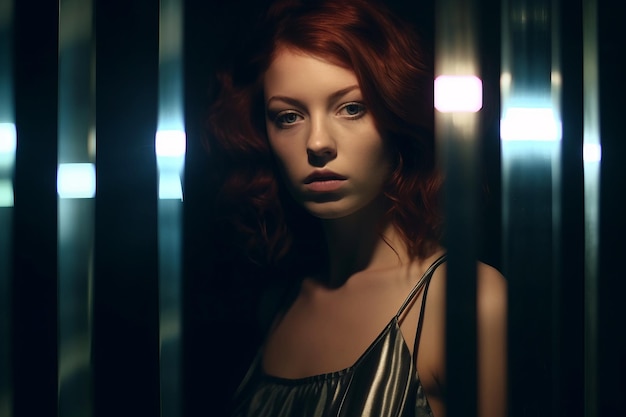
{"type": "Point", "coordinates": [491, 291]}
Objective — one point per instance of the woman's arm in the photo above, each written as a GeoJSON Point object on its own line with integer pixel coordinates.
{"type": "Point", "coordinates": [491, 309]}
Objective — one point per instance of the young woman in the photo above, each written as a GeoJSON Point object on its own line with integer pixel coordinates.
{"type": "Point", "coordinates": [326, 129]}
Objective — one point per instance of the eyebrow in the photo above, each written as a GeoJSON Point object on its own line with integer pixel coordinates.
{"type": "Point", "coordinates": [332, 98]}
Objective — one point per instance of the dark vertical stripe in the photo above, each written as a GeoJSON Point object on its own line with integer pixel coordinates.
{"type": "Point", "coordinates": [35, 279]}
{"type": "Point", "coordinates": [570, 284]}
{"type": "Point", "coordinates": [612, 285]}
{"type": "Point", "coordinates": [126, 362]}
{"type": "Point", "coordinates": [458, 136]}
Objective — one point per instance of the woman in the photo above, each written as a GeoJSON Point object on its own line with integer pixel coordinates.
{"type": "Point", "coordinates": [327, 133]}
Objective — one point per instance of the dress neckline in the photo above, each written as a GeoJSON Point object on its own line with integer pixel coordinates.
{"type": "Point", "coordinates": [393, 324]}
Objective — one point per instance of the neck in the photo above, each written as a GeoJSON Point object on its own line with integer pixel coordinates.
{"type": "Point", "coordinates": [362, 241]}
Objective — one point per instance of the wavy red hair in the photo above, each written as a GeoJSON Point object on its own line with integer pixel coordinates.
{"type": "Point", "coordinates": [396, 81]}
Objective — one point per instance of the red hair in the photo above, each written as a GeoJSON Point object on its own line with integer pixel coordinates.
{"type": "Point", "coordinates": [396, 81]}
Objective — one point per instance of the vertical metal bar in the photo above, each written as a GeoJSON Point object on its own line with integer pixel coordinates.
{"type": "Point", "coordinates": [457, 128]}
{"type": "Point", "coordinates": [125, 350]}
{"type": "Point", "coordinates": [592, 155]}
{"type": "Point", "coordinates": [76, 189]}
{"type": "Point", "coordinates": [170, 146]}
{"type": "Point", "coordinates": [8, 143]}
{"type": "Point", "coordinates": [34, 303]}
{"type": "Point", "coordinates": [530, 136]}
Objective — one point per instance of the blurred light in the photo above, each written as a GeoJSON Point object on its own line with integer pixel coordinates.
{"type": "Point", "coordinates": [592, 152]}
{"type": "Point", "coordinates": [458, 93]}
{"type": "Point", "coordinates": [6, 193]}
{"type": "Point", "coordinates": [8, 138]}
{"type": "Point", "coordinates": [76, 181]}
{"type": "Point", "coordinates": [505, 80]}
{"type": "Point", "coordinates": [170, 187]}
{"type": "Point", "coordinates": [8, 144]}
{"type": "Point", "coordinates": [170, 143]}
{"type": "Point", "coordinates": [534, 124]}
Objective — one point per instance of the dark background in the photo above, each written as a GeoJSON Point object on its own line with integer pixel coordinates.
{"type": "Point", "coordinates": [220, 314]}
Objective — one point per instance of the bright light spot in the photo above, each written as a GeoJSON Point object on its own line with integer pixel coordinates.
{"type": "Point", "coordinates": [76, 181]}
{"type": "Point", "coordinates": [535, 124]}
{"type": "Point", "coordinates": [6, 193]}
{"type": "Point", "coordinates": [170, 187]}
{"type": "Point", "coordinates": [458, 93]}
{"type": "Point", "coordinates": [8, 144]}
{"type": "Point", "coordinates": [8, 138]}
{"type": "Point", "coordinates": [505, 80]}
{"type": "Point", "coordinates": [592, 152]}
{"type": "Point", "coordinates": [170, 143]}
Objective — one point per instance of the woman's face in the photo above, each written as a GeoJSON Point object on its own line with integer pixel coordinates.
{"type": "Point", "coordinates": [333, 158]}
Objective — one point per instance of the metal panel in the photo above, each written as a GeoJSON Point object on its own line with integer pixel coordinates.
{"type": "Point", "coordinates": [126, 344]}
{"type": "Point", "coordinates": [8, 143]}
{"type": "Point", "coordinates": [531, 150]}
{"type": "Point", "coordinates": [34, 301]}
{"type": "Point", "coordinates": [76, 189]}
{"type": "Point", "coordinates": [457, 131]}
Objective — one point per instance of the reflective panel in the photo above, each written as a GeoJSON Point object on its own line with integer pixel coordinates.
{"type": "Point", "coordinates": [530, 131]}
{"type": "Point", "coordinates": [592, 155]}
{"type": "Point", "coordinates": [8, 143]}
{"type": "Point", "coordinates": [76, 187]}
{"type": "Point", "coordinates": [170, 147]}
{"type": "Point", "coordinates": [457, 130]}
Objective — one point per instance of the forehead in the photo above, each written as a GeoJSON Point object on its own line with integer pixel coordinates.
{"type": "Point", "coordinates": [295, 72]}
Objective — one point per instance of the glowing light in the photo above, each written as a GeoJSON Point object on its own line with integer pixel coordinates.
{"type": "Point", "coordinates": [505, 80]}
{"type": "Point", "coordinates": [8, 138]}
{"type": "Point", "coordinates": [76, 181]}
{"type": "Point", "coordinates": [6, 193]}
{"type": "Point", "coordinates": [8, 144]}
{"type": "Point", "coordinates": [592, 152]}
{"type": "Point", "coordinates": [170, 143]}
{"type": "Point", "coordinates": [534, 124]}
{"type": "Point", "coordinates": [170, 187]}
{"type": "Point", "coordinates": [462, 94]}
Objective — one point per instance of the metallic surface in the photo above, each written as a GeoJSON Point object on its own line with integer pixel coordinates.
{"type": "Point", "coordinates": [170, 153]}
{"type": "Point", "coordinates": [75, 216]}
{"type": "Point", "coordinates": [7, 161]}
{"type": "Point", "coordinates": [530, 86]}
{"type": "Point", "coordinates": [456, 52]}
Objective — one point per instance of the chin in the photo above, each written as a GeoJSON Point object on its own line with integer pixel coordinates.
{"type": "Point", "coordinates": [329, 211]}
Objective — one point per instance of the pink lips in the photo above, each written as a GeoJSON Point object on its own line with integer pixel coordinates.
{"type": "Point", "coordinates": [324, 181]}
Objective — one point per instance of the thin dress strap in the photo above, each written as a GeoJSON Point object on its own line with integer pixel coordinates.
{"type": "Point", "coordinates": [425, 278]}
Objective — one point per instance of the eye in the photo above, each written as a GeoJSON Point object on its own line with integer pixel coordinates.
{"type": "Point", "coordinates": [352, 110]}
{"type": "Point", "coordinates": [286, 119]}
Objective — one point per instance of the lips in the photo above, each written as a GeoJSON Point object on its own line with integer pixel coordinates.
{"type": "Point", "coordinates": [321, 176]}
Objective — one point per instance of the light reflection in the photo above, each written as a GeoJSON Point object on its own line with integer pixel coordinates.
{"type": "Point", "coordinates": [8, 145]}
{"type": "Point", "coordinates": [592, 152]}
{"type": "Point", "coordinates": [170, 187]}
{"type": "Point", "coordinates": [6, 193]}
{"type": "Point", "coordinates": [458, 93]}
{"type": "Point", "coordinates": [76, 180]}
{"type": "Point", "coordinates": [532, 124]}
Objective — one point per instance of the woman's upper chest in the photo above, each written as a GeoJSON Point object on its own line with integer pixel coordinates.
{"type": "Point", "coordinates": [327, 330]}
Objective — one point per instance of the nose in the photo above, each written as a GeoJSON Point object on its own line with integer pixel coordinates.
{"type": "Point", "coordinates": [321, 146]}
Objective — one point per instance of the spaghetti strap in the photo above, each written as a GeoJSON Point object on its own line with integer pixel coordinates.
{"type": "Point", "coordinates": [423, 280]}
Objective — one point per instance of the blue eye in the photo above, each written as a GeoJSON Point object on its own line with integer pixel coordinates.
{"type": "Point", "coordinates": [353, 110]}
{"type": "Point", "coordinates": [286, 119]}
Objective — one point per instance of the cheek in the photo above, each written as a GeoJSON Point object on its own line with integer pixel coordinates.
{"type": "Point", "coordinates": [285, 160]}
